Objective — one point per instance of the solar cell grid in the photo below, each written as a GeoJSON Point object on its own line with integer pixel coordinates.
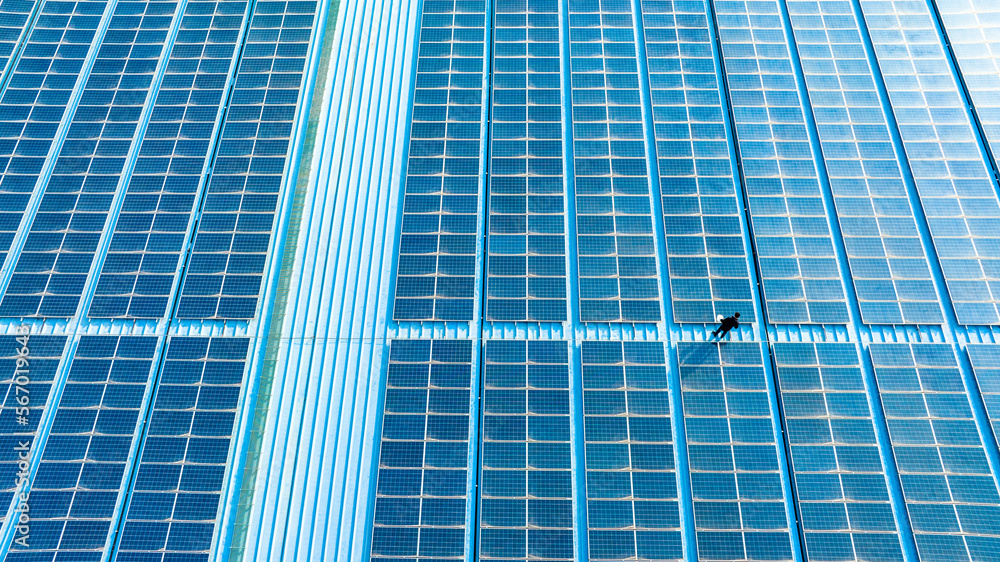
{"type": "Point", "coordinates": [706, 257]}
{"type": "Point", "coordinates": [83, 466]}
{"type": "Point", "coordinates": [44, 353]}
{"type": "Point", "coordinates": [139, 271]}
{"type": "Point", "coordinates": [527, 242]}
{"type": "Point", "coordinates": [526, 499]}
{"type": "Point", "coordinates": [175, 496]}
{"type": "Point", "coordinates": [617, 255]}
{"type": "Point", "coordinates": [888, 265]}
{"type": "Point", "coordinates": [15, 16]}
{"type": "Point", "coordinates": [951, 495]}
{"type": "Point", "coordinates": [795, 250]}
{"type": "Point", "coordinates": [739, 501]}
{"type": "Point", "coordinates": [52, 267]}
{"type": "Point", "coordinates": [421, 497]}
{"type": "Point", "coordinates": [632, 506]}
{"type": "Point", "coordinates": [224, 273]}
{"type": "Point", "coordinates": [957, 192]}
{"type": "Point", "coordinates": [436, 265]}
{"type": "Point", "coordinates": [971, 28]}
{"type": "Point", "coordinates": [35, 101]}
{"type": "Point", "coordinates": [842, 492]}
{"type": "Point", "coordinates": [986, 366]}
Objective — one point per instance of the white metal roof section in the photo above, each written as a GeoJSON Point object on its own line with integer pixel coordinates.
{"type": "Point", "coordinates": [312, 483]}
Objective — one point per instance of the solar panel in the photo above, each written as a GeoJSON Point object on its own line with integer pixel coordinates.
{"type": "Point", "coordinates": [53, 265]}
{"type": "Point", "coordinates": [225, 270]}
{"type": "Point", "coordinates": [986, 367]}
{"type": "Point", "coordinates": [617, 255]}
{"type": "Point", "coordinates": [957, 192]}
{"type": "Point", "coordinates": [951, 495]}
{"type": "Point", "coordinates": [30, 118]}
{"type": "Point", "coordinates": [527, 240]}
{"type": "Point", "coordinates": [421, 497]}
{"type": "Point", "coordinates": [175, 496]}
{"type": "Point", "coordinates": [706, 258]}
{"type": "Point", "coordinates": [888, 265]}
{"type": "Point", "coordinates": [791, 228]}
{"type": "Point", "coordinates": [84, 464]}
{"type": "Point", "coordinates": [841, 487]}
{"type": "Point", "coordinates": [139, 271]}
{"type": "Point", "coordinates": [43, 354]}
{"type": "Point", "coordinates": [632, 508]}
{"type": "Point", "coordinates": [739, 501]}
{"type": "Point", "coordinates": [436, 264]}
{"type": "Point", "coordinates": [526, 498]}
{"type": "Point", "coordinates": [970, 29]}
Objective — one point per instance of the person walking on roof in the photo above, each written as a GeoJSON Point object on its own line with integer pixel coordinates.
{"type": "Point", "coordinates": [727, 324]}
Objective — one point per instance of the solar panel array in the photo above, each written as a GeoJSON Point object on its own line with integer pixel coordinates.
{"type": "Point", "coordinates": [145, 150]}
{"type": "Point", "coordinates": [527, 222]}
{"type": "Point", "coordinates": [632, 507]}
{"type": "Point", "coordinates": [51, 270]}
{"type": "Point", "coordinates": [986, 366]}
{"type": "Point", "coordinates": [84, 462]}
{"type": "Point", "coordinates": [797, 261]}
{"type": "Point", "coordinates": [968, 27]}
{"type": "Point", "coordinates": [841, 487]}
{"type": "Point", "coordinates": [739, 501]}
{"type": "Point", "coordinates": [615, 242]}
{"type": "Point", "coordinates": [526, 498]}
{"type": "Point", "coordinates": [888, 265]}
{"type": "Point", "coordinates": [729, 127]}
{"type": "Point", "coordinates": [958, 192]}
{"type": "Point", "coordinates": [33, 104]}
{"type": "Point", "coordinates": [422, 503]}
{"type": "Point", "coordinates": [174, 499]}
{"type": "Point", "coordinates": [706, 256]}
{"type": "Point", "coordinates": [950, 490]}
{"type": "Point", "coordinates": [437, 245]}
{"type": "Point", "coordinates": [139, 273]}
{"type": "Point", "coordinates": [225, 271]}
{"type": "Point", "coordinates": [46, 352]}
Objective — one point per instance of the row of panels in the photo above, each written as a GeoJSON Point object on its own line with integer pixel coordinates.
{"type": "Point", "coordinates": [610, 446]}
{"type": "Point", "coordinates": [142, 150]}
{"type": "Point", "coordinates": [615, 144]}
{"type": "Point", "coordinates": [129, 443]}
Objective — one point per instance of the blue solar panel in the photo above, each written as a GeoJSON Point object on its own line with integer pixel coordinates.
{"type": "Point", "coordinates": [706, 257]}
{"type": "Point", "coordinates": [14, 15]}
{"type": "Point", "coordinates": [970, 28]}
{"type": "Point", "coordinates": [986, 366]}
{"type": "Point", "coordinates": [139, 271]}
{"type": "Point", "coordinates": [527, 242]}
{"type": "Point", "coordinates": [951, 494]}
{"type": "Point", "coordinates": [798, 266]}
{"type": "Point", "coordinates": [842, 492]}
{"type": "Point", "coordinates": [421, 505]}
{"type": "Point", "coordinates": [83, 466]}
{"type": "Point", "coordinates": [175, 497]}
{"type": "Point", "coordinates": [224, 273]}
{"type": "Point", "coordinates": [526, 505]}
{"type": "Point", "coordinates": [632, 506]}
{"type": "Point", "coordinates": [617, 255]}
{"type": "Point", "coordinates": [436, 265]}
{"type": "Point", "coordinates": [888, 264]}
{"type": "Point", "coordinates": [43, 354]}
{"type": "Point", "coordinates": [739, 501]}
{"type": "Point", "coordinates": [957, 190]}
{"type": "Point", "coordinates": [30, 115]}
{"type": "Point", "coordinates": [53, 265]}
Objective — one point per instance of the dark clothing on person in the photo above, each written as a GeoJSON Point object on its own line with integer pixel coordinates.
{"type": "Point", "coordinates": [727, 324]}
